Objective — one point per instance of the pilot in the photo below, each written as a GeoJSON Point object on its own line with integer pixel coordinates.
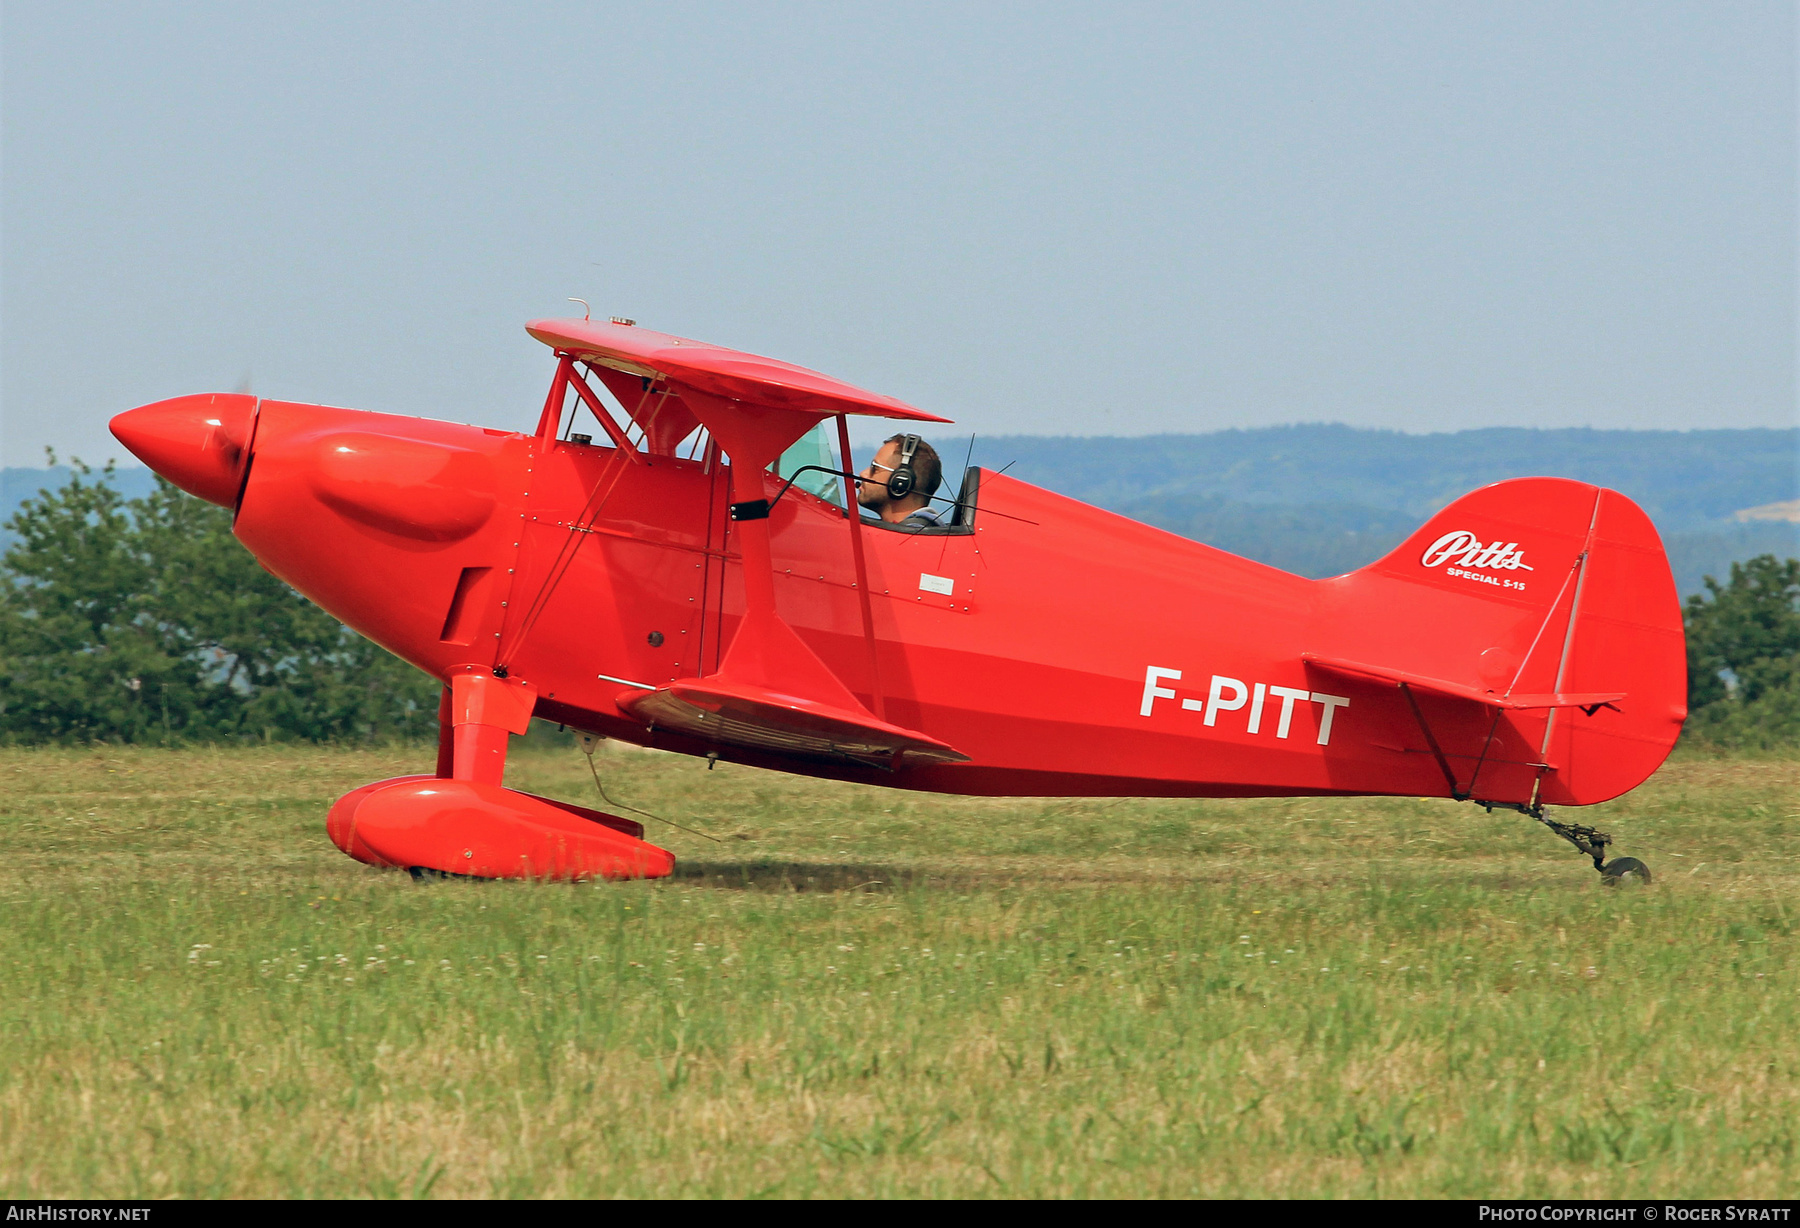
{"type": "Point", "coordinates": [896, 487]}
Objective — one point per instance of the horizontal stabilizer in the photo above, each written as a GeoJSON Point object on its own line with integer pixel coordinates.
{"type": "Point", "coordinates": [731, 712]}
{"type": "Point", "coordinates": [1458, 690]}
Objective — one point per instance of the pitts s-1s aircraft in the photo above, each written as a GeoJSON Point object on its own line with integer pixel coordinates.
{"type": "Point", "coordinates": [682, 581]}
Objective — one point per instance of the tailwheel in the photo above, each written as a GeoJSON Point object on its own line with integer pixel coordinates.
{"type": "Point", "coordinates": [1623, 870]}
{"type": "Point", "coordinates": [1592, 844]}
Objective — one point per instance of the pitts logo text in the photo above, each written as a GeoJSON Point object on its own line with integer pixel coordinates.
{"type": "Point", "coordinates": [1465, 549]}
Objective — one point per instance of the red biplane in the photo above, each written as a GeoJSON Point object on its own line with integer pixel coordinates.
{"type": "Point", "coordinates": [695, 576]}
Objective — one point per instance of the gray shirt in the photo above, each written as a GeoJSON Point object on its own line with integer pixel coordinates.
{"type": "Point", "coordinates": [920, 518]}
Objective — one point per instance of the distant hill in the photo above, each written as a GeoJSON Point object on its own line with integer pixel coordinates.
{"type": "Point", "coordinates": [1684, 479]}
{"type": "Point", "coordinates": [1321, 500]}
{"type": "Point", "coordinates": [1323, 539]}
{"type": "Point", "coordinates": [18, 485]}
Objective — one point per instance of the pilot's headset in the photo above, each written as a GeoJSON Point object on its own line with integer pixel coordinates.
{"type": "Point", "coordinates": [902, 480]}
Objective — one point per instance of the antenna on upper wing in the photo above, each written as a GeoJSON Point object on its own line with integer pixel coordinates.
{"type": "Point", "coordinates": [586, 311]}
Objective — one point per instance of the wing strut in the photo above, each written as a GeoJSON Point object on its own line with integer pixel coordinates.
{"type": "Point", "coordinates": [854, 511]}
{"type": "Point", "coordinates": [771, 690]}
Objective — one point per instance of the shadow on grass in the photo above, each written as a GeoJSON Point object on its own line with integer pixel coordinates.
{"type": "Point", "coordinates": [801, 875]}
{"type": "Point", "coordinates": [797, 875]}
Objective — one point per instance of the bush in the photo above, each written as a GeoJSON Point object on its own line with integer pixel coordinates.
{"type": "Point", "coordinates": [145, 620]}
{"type": "Point", "coordinates": [1743, 643]}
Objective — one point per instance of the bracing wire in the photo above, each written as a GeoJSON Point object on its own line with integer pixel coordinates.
{"type": "Point", "coordinates": [587, 748]}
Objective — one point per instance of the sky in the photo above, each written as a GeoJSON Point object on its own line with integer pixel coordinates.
{"type": "Point", "coordinates": [1032, 218]}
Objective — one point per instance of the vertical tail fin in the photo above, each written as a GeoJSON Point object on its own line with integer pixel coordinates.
{"type": "Point", "coordinates": [1528, 636]}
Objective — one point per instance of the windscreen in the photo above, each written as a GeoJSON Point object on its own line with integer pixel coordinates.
{"type": "Point", "coordinates": [813, 448]}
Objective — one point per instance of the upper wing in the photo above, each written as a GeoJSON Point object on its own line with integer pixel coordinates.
{"type": "Point", "coordinates": [714, 369]}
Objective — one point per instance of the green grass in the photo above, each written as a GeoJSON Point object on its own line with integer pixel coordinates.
{"type": "Point", "coordinates": [868, 993]}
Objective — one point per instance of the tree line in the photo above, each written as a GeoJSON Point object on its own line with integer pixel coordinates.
{"type": "Point", "coordinates": [1743, 646]}
{"type": "Point", "coordinates": [144, 620]}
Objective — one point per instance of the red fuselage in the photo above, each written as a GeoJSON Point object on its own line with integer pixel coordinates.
{"type": "Point", "coordinates": [1523, 647]}
{"type": "Point", "coordinates": [1065, 650]}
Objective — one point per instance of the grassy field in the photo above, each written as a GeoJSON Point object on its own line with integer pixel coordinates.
{"type": "Point", "coordinates": [868, 993]}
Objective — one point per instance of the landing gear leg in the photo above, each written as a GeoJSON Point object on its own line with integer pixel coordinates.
{"type": "Point", "coordinates": [1593, 844]}
{"type": "Point", "coordinates": [464, 823]}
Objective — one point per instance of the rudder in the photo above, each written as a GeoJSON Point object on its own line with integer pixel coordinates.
{"type": "Point", "coordinates": [1535, 626]}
